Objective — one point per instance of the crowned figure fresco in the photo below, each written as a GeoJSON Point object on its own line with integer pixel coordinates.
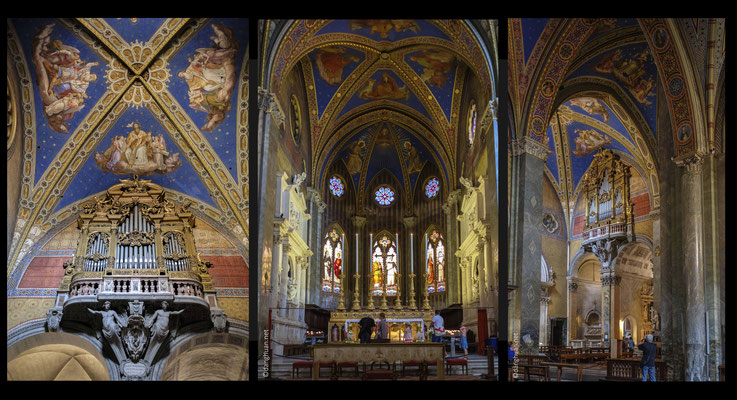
{"type": "Point", "coordinates": [139, 153]}
{"type": "Point", "coordinates": [62, 78]}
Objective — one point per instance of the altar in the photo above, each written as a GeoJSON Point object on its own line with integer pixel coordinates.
{"type": "Point", "coordinates": [334, 353]}
{"type": "Point", "coordinates": [343, 326]}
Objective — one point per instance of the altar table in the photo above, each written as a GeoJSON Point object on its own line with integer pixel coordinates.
{"type": "Point", "coordinates": [378, 352]}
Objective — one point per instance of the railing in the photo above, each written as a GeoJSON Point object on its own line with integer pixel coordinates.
{"type": "Point", "coordinates": [609, 229]}
{"type": "Point", "coordinates": [630, 369]}
{"type": "Point", "coordinates": [187, 289]}
{"type": "Point", "coordinates": [84, 289]}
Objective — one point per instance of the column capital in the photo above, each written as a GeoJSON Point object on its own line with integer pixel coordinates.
{"type": "Point", "coordinates": [605, 250]}
{"type": "Point", "coordinates": [610, 279]}
{"type": "Point", "coordinates": [529, 146]}
{"type": "Point", "coordinates": [358, 221]}
{"type": "Point", "coordinates": [314, 196]}
{"type": "Point", "coordinates": [409, 222]}
{"type": "Point", "coordinates": [268, 102]}
{"type": "Point", "coordinates": [691, 164]}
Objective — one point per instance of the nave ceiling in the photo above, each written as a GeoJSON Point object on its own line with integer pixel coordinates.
{"type": "Point", "coordinates": [85, 85]}
{"type": "Point", "coordinates": [364, 78]}
{"type": "Point", "coordinates": [595, 83]}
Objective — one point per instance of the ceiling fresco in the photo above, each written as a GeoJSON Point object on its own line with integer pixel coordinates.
{"type": "Point", "coordinates": [384, 145]}
{"type": "Point", "coordinates": [614, 54]}
{"type": "Point", "coordinates": [135, 29]}
{"type": "Point", "coordinates": [162, 99]}
{"type": "Point", "coordinates": [415, 68]}
{"type": "Point", "coordinates": [632, 68]}
{"type": "Point", "coordinates": [532, 29]}
{"type": "Point", "coordinates": [50, 46]}
{"type": "Point", "coordinates": [99, 172]}
{"type": "Point", "coordinates": [590, 124]}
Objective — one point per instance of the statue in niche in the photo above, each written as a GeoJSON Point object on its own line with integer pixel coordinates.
{"type": "Point", "coordinates": [211, 78]}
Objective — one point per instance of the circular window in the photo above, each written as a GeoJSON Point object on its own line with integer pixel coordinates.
{"type": "Point", "coordinates": [384, 196]}
{"type": "Point", "coordinates": [432, 187]}
{"type": "Point", "coordinates": [336, 186]}
{"type": "Point", "coordinates": [471, 123]}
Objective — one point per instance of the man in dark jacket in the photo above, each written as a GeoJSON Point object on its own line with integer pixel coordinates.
{"type": "Point", "coordinates": [648, 357]}
{"type": "Point", "coordinates": [366, 325]}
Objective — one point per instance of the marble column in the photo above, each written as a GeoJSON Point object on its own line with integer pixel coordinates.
{"type": "Point", "coordinates": [572, 288]}
{"type": "Point", "coordinates": [606, 251]}
{"type": "Point", "coordinates": [693, 265]}
{"type": "Point", "coordinates": [544, 301]}
{"type": "Point", "coordinates": [314, 277]}
{"type": "Point", "coordinates": [453, 283]}
{"type": "Point", "coordinates": [610, 307]}
{"type": "Point", "coordinates": [276, 256]}
{"type": "Point", "coordinates": [302, 264]}
{"type": "Point", "coordinates": [529, 159]}
{"type": "Point", "coordinates": [283, 278]}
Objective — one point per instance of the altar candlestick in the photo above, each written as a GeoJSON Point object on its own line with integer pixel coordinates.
{"type": "Point", "coordinates": [356, 253]}
{"type": "Point", "coordinates": [412, 253]}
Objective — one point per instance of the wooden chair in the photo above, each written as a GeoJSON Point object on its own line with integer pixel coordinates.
{"type": "Point", "coordinates": [296, 366]}
{"type": "Point", "coordinates": [347, 365]}
{"type": "Point", "coordinates": [462, 362]}
{"type": "Point", "coordinates": [411, 363]}
{"type": "Point", "coordinates": [379, 373]}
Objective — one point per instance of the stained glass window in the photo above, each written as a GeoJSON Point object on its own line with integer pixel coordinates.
{"type": "Point", "coordinates": [336, 186]}
{"type": "Point", "coordinates": [384, 196]}
{"type": "Point", "coordinates": [384, 266]}
{"type": "Point", "coordinates": [435, 262]}
{"type": "Point", "coordinates": [432, 187]}
{"type": "Point", "coordinates": [472, 123]}
{"type": "Point", "coordinates": [332, 256]}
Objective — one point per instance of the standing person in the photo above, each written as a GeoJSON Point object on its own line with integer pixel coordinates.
{"type": "Point", "coordinates": [464, 342]}
{"type": "Point", "coordinates": [631, 344]}
{"type": "Point", "coordinates": [408, 332]}
{"type": "Point", "coordinates": [382, 329]}
{"type": "Point", "coordinates": [366, 328]}
{"type": "Point", "coordinates": [648, 357]}
{"type": "Point", "coordinates": [438, 326]}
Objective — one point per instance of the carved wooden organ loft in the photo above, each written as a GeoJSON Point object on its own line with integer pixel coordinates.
{"type": "Point", "coordinates": [135, 244]}
{"type": "Point", "coordinates": [606, 187]}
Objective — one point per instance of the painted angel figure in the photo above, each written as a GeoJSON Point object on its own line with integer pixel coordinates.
{"type": "Point", "coordinates": [62, 78]}
{"type": "Point", "coordinates": [211, 78]}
